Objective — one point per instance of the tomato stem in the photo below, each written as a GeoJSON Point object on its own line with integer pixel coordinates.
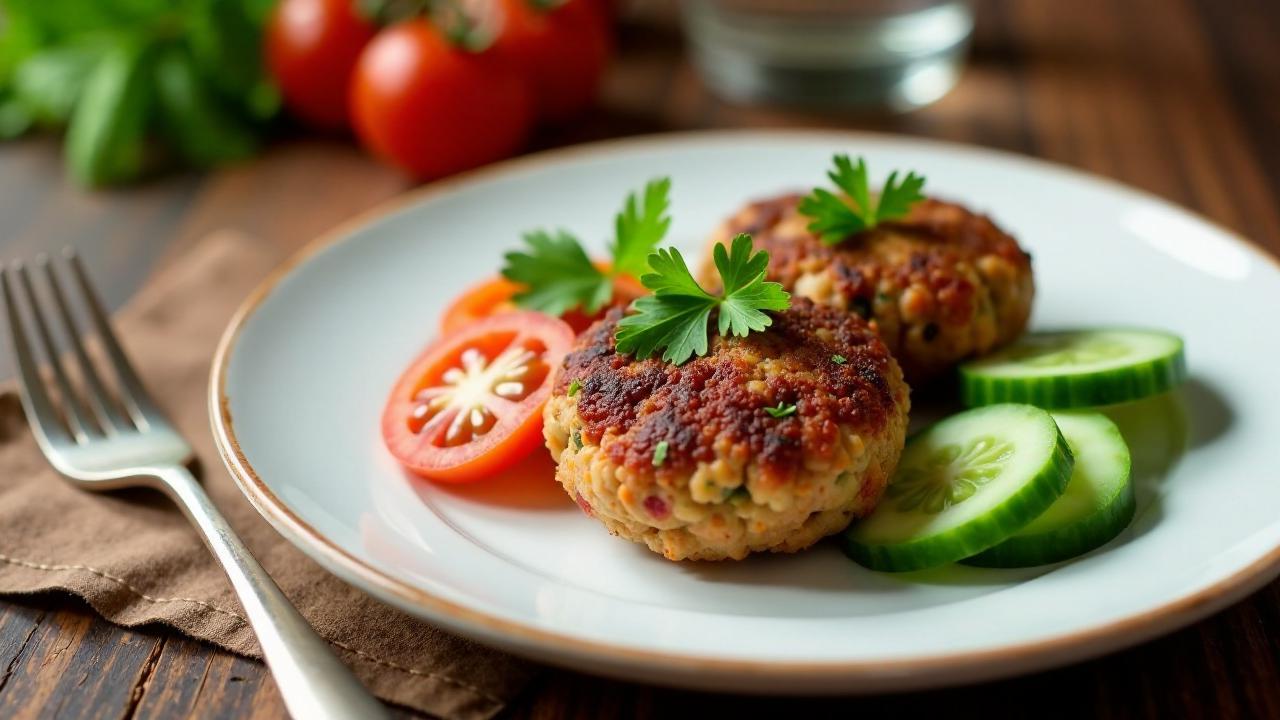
{"type": "Point", "coordinates": [387, 12]}
{"type": "Point", "coordinates": [546, 6]}
{"type": "Point", "coordinates": [463, 26]}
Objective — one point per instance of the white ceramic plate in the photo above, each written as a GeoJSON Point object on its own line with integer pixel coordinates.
{"type": "Point", "coordinates": [302, 373]}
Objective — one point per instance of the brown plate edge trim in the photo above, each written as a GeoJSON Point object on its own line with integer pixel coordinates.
{"type": "Point", "coordinates": [1008, 660]}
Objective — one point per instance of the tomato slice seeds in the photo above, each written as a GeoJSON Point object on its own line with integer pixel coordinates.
{"type": "Point", "coordinates": [460, 409]}
{"type": "Point", "coordinates": [471, 405]}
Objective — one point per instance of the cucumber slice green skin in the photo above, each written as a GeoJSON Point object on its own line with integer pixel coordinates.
{"type": "Point", "coordinates": [1065, 544]}
{"type": "Point", "coordinates": [1064, 390]}
{"type": "Point", "coordinates": [970, 538]}
{"type": "Point", "coordinates": [1076, 538]}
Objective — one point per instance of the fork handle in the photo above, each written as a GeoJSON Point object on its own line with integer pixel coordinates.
{"type": "Point", "coordinates": [312, 681]}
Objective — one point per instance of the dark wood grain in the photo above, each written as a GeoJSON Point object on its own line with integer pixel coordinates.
{"type": "Point", "coordinates": [74, 665]}
{"type": "Point", "coordinates": [191, 682]}
{"type": "Point", "coordinates": [1178, 97]}
{"type": "Point", "coordinates": [17, 625]}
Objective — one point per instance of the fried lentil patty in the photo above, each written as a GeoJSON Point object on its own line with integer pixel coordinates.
{"type": "Point", "coordinates": [940, 285]}
{"type": "Point", "coordinates": [686, 459]}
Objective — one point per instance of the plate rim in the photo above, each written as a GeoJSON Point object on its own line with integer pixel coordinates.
{"type": "Point", "coordinates": [600, 656]}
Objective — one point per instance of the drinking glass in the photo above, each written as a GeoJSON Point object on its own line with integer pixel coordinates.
{"type": "Point", "coordinates": [895, 54]}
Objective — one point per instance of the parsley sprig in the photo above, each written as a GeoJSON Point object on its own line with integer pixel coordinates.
{"type": "Point", "coordinates": [835, 219]}
{"type": "Point", "coordinates": [675, 317]}
{"type": "Point", "coordinates": [558, 275]}
{"type": "Point", "coordinates": [639, 227]}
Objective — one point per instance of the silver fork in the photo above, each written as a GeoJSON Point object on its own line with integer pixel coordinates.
{"type": "Point", "coordinates": [103, 442]}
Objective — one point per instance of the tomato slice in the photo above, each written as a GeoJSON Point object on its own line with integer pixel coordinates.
{"type": "Point", "coordinates": [471, 405]}
{"type": "Point", "coordinates": [495, 296]}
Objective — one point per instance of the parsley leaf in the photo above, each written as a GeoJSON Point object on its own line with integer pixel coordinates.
{"type": "Point", "coordinates": [839, 359]}
{"type": "Point", "coordinates": [574, 387]}
{"type": "Point", "coordinates": [746, 294]}
{"type": "Point", "coordinates": [896, 198]}
{"type": "Point", "coordinates": [558, 275]}
{"type": "Point", "coordinates": [676, 315]}
{"type": "Point", "coordinates": [783, 410]}
{"type": "Point", "coordinates": [638, 230]}
{"type": "Point", "coordinates": [834, 218]}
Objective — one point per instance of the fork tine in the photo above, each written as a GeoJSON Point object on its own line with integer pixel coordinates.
{"type": "Point", "coordinates": [99, 398]}
{"type": "Point", "coordinates": [41, 414]}
{"type": "Point", "coordinates": [132, 393]}
{"type": "Point", "coordinates": [74, 411]}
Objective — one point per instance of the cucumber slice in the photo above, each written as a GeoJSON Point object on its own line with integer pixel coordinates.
{"type": "Point", "coordinates": [962, 486]}
{"type": "Point", "coordinates": [1073, 369]}
{"type": "Point", "coordinates": [1097, 505]}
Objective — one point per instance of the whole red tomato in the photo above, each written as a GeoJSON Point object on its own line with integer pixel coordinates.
{"type": "Point", "coordinates": [433, 108]}
{"type": "Point", "coordinates": [311, 48]}
{"type": "Point", "coordinates": [564, 46]}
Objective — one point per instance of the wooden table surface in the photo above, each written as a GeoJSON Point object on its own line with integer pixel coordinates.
{"type": "Point", "coordinates": [1178, 97]}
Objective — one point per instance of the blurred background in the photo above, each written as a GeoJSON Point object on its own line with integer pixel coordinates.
{"type": "Point", "coordinates": [132, 128]}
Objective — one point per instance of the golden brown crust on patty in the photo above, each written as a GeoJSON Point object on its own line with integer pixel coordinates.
{"type": "Point", "coordinates": [941, 284]}
{"type": "Point", "coordinates": [735, 479]}
{"type": "Point", "coordinates": [721, 398]}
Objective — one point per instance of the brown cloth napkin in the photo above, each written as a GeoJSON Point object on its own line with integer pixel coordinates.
{"type": "Point", "coordinates": [135, 559]}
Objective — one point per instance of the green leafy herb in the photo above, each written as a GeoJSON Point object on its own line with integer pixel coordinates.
{"type": "Point", "coordinates": [203, 132]}
{"type": "Point", "coordinates": [15, 120]}
{"type": "Point", "coordinates": [138, 85]}
{"type": "Point", "coordinates": [676, 315]}
{"type": "Point", "coordinates": [48, 83]}
{"type": "Point", "coordinates": [106, 140]}
{"type": "Point", "coordinates": [660, 453]}
{"type": "Point", "coordinates": [640, 227]}
{"type": "Point", "coordinates": [783, 410]}
{"type": "Point", "coordinates": [574, 387]}
{"type": "Point", "coordinates": [222, 38]}
{"type": "Point", "coordinates": [839, 359]}
{"type": "Point", "coordinates": [559, 276]}
{"type": "Point", "coordinates": [836, 218]}
{"type": "Point", "coordinates": [577, 439]}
